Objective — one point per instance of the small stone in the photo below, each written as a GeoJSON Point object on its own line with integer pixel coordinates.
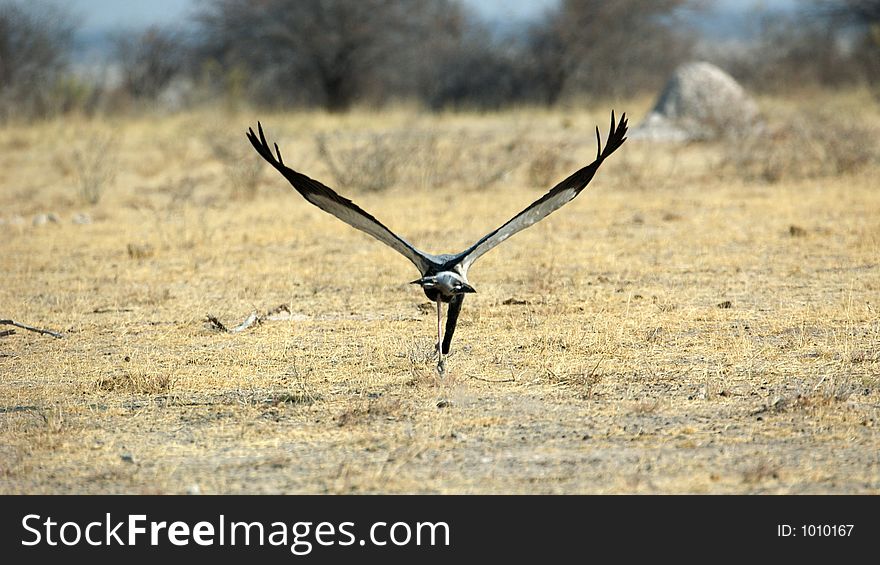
{"type": "Point", "coordinates": [127, 457]}
{"type": "Point", "coordinates": [81, 219]}
{"type": "Point", "coordinates": [40, 220]}
{"type": "Point", "coordinates": [193, 490]}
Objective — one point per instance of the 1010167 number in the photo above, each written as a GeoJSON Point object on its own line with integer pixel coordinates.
{"type": "Point", "coordinates": [827, 530]}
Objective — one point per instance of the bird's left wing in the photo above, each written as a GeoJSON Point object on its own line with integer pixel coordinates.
{"type": "Point", "coordinates": [557, 197]}
{"type": "Point", "coordinates": [343, 208]}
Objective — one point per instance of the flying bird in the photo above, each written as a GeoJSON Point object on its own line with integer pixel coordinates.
{"type": "Point", "coordinates": [443, 277]}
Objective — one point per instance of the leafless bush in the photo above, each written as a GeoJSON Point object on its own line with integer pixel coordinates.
{"type": "Point", "coordinates": [548, 166]}
{"type": "Point", "coordinates": [806, 146]}
{"type": "Point", "coordinates": [369, 163]}
{"type": "Point", "coordinates": [465, 160]}
{"type": "Point", "coordinates": [423, 158]}
{"type": "Point", "coordinates": [94, 164]}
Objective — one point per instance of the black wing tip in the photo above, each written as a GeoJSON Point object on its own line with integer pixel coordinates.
{"type": "Point", "coordinates": [258, 140]}
{"type": "Point", "coordinates": [616, 136]}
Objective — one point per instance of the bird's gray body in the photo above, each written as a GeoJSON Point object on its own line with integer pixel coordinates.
{"type": "Point", "coordinates": [444, 285]}
{"type": "Point", "coordinates": [444, 276]}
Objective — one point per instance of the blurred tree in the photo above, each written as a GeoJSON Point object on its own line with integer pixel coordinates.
{"type": "Point", "coordinates": [603, 48]}
{"type": "Point", "coordinates": [865, 13]}
{"type": "Point", "coordinates": [35, 39]}
{"type": "Point", "coordinates": [861, 17]}
{"type": "Point", "coordinates": [326, 52]}
{"type": "Point", "coordinates": [149, 60]}
{"type": "Point", "coordinates": [468, 68]}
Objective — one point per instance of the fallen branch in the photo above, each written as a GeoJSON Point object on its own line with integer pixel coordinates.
{"type": "Point", "coordinates": [278, 313]}
{"type": "Point", "coordinates": [5, 333]}
{"type": "Point", "coordinates": [217, 324]}
{"type": "Point", "coordinates": [30, 328]}
{"type": "Point", "coordinates": [248, 322]}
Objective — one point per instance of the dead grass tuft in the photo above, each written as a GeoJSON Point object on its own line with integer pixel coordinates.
{"type": "Point", "coordinates": [136, 383]}
{"type": "Point", "coordinates": [363, 412]}
{"type": "Point", "coordinates": [760, 472]}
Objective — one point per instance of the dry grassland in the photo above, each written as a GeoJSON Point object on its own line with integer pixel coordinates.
{"type": "Point", "coordinates": [703, 319]}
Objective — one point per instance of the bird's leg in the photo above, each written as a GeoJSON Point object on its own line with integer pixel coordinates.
{"type": "Point", "coordinates": [441, 362]}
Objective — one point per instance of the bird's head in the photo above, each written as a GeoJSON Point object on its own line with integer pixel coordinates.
{"type": "Point", "coordinates": [447, 283]}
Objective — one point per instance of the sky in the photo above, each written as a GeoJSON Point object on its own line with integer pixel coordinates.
{"type": "Point", "coordinates": [103, 15]}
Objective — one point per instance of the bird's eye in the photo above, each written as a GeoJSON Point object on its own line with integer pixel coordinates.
{"type": "Point", "coordinates": [457, 286]}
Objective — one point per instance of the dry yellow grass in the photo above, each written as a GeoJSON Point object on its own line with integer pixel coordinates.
{"type": "Point", "coordinates": [612, 369]}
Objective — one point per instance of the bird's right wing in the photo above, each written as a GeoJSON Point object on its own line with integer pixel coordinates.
{"type": "Point", "coordinates": [343, 208]}
{"type": "Point", "coordinates": [558, 196]}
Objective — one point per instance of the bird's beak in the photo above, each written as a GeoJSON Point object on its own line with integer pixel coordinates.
{"type": "Point", "coordinates": [426, 282]}
{"type": "Point", "coordinates": [467, 288]}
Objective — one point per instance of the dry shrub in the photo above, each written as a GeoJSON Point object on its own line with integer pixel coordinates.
{"type": "Point", "coordinates": [549, 166]}
{"type": "Point", "coordinates": [369, 162]}
{"type": "Point", "coordinates": [477, 161]}
{"type": "Point", "coordinates": [243, 170]}
{"type": "Point", "coordinates": [244, 177]}
{"type": "Point", "coordinates": [423, 158]}
{"type": "Point", "coordinates": [810, 145]}
{"type": "Point", "coordinates": [94, 164]}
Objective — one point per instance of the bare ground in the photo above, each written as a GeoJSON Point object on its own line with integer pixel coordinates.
{"type": "Point", "coordinates": [679, 327]}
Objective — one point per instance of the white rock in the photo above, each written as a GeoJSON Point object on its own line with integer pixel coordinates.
{"type": "Point", "coordinates": [700, 101]}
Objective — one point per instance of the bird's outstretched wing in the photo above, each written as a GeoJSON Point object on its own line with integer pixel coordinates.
{"type": "Point", "coordinates": [343, 208]}
{"type": "Point", "coordinates": [558, 196]}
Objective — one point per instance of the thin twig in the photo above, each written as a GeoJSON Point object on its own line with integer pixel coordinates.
{"type": "Point", "coordinates": [111, 310]}
{"type": "Point", "coordinates": [510, 380]}
{"type": "Point", "coordinates": [31, 328]}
